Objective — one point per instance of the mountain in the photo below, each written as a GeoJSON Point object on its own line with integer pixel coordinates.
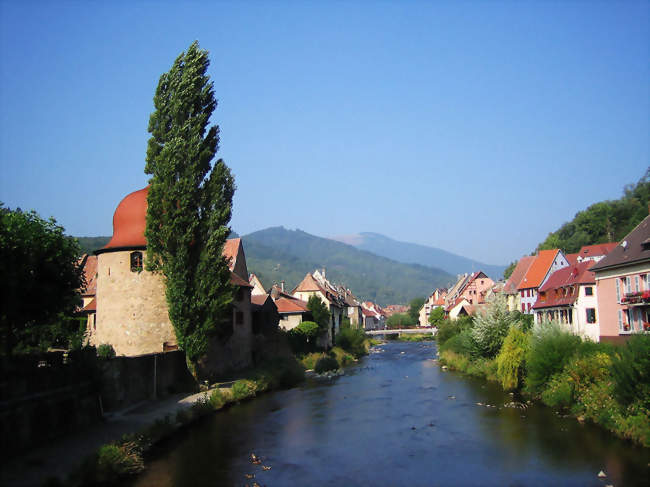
{"type": "Point", "coordinates": [410, 253]}
{"type": "Point", "coordinates": [277, 254]}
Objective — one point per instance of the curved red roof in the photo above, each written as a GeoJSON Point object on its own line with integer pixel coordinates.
{"type": "Point", "coordinates": [129, 221]}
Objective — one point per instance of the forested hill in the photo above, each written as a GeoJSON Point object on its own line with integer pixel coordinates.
{"type": "Point", "coordinates": [277, 254]}
{"type": "Point", "coordinates": [89, 244]}
{"type": "Point", "coordinates": [607, 221]}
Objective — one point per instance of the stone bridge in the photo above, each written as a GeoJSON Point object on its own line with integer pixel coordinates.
{"type": "Point", "coordinates": [408, 331]}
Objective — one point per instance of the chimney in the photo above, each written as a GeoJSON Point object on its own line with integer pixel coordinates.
{"type": "Point", "coordinates": [282, 285]}
{"type": "Point", "coordinates": [324, 273]}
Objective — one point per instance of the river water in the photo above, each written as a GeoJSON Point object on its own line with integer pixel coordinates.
{"type": "Point", "coordinates": [395, 419]}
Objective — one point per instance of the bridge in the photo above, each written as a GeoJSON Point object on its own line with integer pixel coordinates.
{"type": "Point", "coordinates": [407, 331]}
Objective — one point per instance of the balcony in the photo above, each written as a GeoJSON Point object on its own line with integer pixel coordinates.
{"type": "Point", "coordinates": [636, 298]}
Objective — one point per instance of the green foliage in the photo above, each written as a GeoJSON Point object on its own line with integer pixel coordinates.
{"type": "Point", "coordinates": [326, 363]}
{"type": "Point", "coordinates": [342, 356]}
{"type": "Point", "coordinates": [436, 316]}
{"type": "Point", "coordinates": [41, 277]}
{"type": "Point", "coordinates": [279, 254]}
{"type": "Point", "coordinates": [319, 311]}
{"type": "Point", "coordinates": [511, 359]}
{"type": "Point", "coordinates": [461, 343]}
{"type": "Point", "coordinates": [492, 327]}
{"type": "Point", "coordinates": [449, 328]}
{"type": "Point", "coordinates": [105, 351]}
{"type": "Point", "coordinates": [87, 245]}
{"type": "Point", "coordinates": [414, 308]}
{"type": "Point", "coordinates": [217, 399]}
{"type": "Point", "coordinates": [117, 461]}
{"type": "Point", "coordinates": [352, 340]}
{"type": "Point", "coordinates": [550, 350]}
{"type": "Point", "coordinates": [243, 389]}
{"type": "Point", "coordinates": [509, 270]}
{"type": "Point", "coordinates": [189, 204]}
{"type": "Point", "coordinates": [606, 221]}
{"type": "Point", "coordinates": [400, 320]}
{"type": "Point", "coordinates": [302, 338]}
{"type": "Point", "coordinates": [631, 371]}
{"type": "Point", "coordinates": [415, 337]}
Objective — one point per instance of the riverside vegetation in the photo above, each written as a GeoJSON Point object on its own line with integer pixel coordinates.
{"type": "Point", "coordinates": [599, 382]}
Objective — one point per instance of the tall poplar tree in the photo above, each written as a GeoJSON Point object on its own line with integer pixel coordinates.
{"type": "Point", "coordinates": [189, 204]}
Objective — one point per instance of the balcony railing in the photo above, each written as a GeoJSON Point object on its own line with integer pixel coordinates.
{"type": "Point", "coordinates": [640, 297]}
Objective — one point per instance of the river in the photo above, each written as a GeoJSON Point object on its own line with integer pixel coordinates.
{"type": "Point", "coordinates": [395, 419]}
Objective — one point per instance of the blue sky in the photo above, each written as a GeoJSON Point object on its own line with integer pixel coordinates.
{"type": "Point", "coordinates": [474, 127]}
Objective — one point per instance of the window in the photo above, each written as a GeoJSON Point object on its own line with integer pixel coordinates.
{"type": "Point", "coordinates": [589, 291]}
{"type": "Point", "coordinates": [591, 315]}
{"type": "Point", "coordinates": [522, 293]}
{"type": "Point", "coordinates": [136, 261]}
{"type": "Point", "coordinates": [528, 307]}
{"type": "Point", "coordinates": [523, 307]}
{"type": "Point", "coordinates": [628, 285]}
{"type": "Point", "coordinates": [528, 293]}
{"type": "Point", "coordinates": [636, 284]}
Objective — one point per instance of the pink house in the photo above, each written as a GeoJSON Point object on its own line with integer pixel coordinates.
{"type": "Point", "coordinates": [623, 286]}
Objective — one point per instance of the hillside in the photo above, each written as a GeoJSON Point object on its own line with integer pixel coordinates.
{"type": "Point", "coordinates": [89, 244]}
{"type": "Point", "coordinates": [277, 254]}
{"type": "Point", "coordinates": [410, 253]}
{"type": "Point", "coordinates": [606, 221]}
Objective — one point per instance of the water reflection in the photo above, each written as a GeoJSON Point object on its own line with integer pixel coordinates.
{"type": "Point", "coordinates": [395, 419]}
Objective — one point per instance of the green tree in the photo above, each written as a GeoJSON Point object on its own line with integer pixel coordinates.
{"type": "Point", "coordinates": [492, 326]}
{"type": "Point", "coordinates": [414, 308]}
{"type": "Point", "coordinates": [436, 316]}
{"type": "Point", "coordinates": [400, 320]}
{"type": "Point", "coordinates": [319, 311]}
{"type": "Point", "coordinates": [189, 204]}
{"type": "Point", "coordinates": [41, 278]}
{"type": "Point", "coordinates": [509, 270]}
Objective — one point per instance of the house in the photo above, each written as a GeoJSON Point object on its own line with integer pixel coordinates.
{"type": "Point", "coordinates": [88, 307]}
{"type": "Point", "coordinates": [435, 300]}
{"type": "Point", "coordinates": [546, 263]}
{"type": "Point", "coordinates": [132, 313]}
{"type": "Point", "coordinates": [510, 289]}
{"type": "Point", "coordinates": [258, 288]}
{"type": "Point", "coordinates": [595, 252]}
{"type": "Point", "coordinates": [569, 297]}
{"type": "Point", "coordinates": [353, 307]}
{"type": "Point", "coordinates": [393, 309]}
{"type": "Point", "coordinates": [374, 317]}
{"type": "Point", "coordinates": [474, 288]}
{"type": "Point", "coordinates": [315, 284]}
{"type": "Point", "coordinates": [623, 286]}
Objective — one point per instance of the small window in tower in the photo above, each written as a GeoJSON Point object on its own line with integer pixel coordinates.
{"type": "Point", "coordinates": [136, 261]}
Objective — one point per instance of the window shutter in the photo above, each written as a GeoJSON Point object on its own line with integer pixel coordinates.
{"type": "Point", "coordinates": [636, 283]}
{"type": "Point", "coordinates": [620, 320]}
{"type": "Point", "coordinates": [618, 292]}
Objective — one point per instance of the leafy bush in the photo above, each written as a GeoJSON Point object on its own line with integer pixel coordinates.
{"type": "Point", "coordinates": [511, 359]}
{"type": "Point", "coordinates": [326, 363]}
{"type": "Point", "coordinates": [550, 350]}
{"type": "Point", "coordinates": [449, 328]}
{"type": "Point", "coordinates": [217, 399]}
{"type": "Point", "coordinates": [105, 351]}
{"type": "Point", "coordinates": [302, 338]}
{"type": "Point", "coordinates": [460, 343]}
{"type": "Point", "coordinates": [558, 392]}
{"type": "Point", "coordinates": [243, 389]}
{"type": "Point", "coordinates": [115, 461]}
{"type": "Point", "coordinates": [352, 340]}
{"type": "Point", "coordinates": [400, 320]}
{"type": "Point", "coordinates": [631, 371]}
{"type": "Point", "coordinates": [437, 316]}
{"type": "Point", "coordinates": [492, 326]}
{"type": "Point", "coordinates": [341, 356]}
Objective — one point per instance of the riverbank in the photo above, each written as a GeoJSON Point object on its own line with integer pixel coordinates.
{"type": "Point", "coordinates": [593, 382]}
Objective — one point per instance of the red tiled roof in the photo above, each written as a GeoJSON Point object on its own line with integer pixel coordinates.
{"type": "Point", "coordinates": [286, 305]}
{"type": "Point", "coordinates": [597, 249]}
{"type": "Point", "coordinates": [538, 269]}
{"type": "Point", "coordinates": [518, 274]}
{"type": "Point", "coordinates": [230, 249]}
{"type": "Point", "coordinates": [572, 258]}
{"type": "Point", "coordinates": [129, 221]}
{"type": "Point", "coordinates": [259, 299]}
{"type": "Point", "coordinates": [564, 278]}
{"type": "Point", "coordinates": [89, 263]}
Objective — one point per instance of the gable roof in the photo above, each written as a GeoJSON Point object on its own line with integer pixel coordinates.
{"type": "Point", "coordinates": [309, 284]}
{"type": "Point", "coordinates": [538, 269]}
{"type": "Point", "coordinates": [572, 258]}
{"type": "Point", "coordinates": [518, 274]}
{"type": "Point", "coordinates": [635, 250]}
{"type": "Point", "coordinates": [596, 250]}
{"type": "Point", "coordinates": [567, 276]}
{"type": "Point", "coordinates": [286, 305]}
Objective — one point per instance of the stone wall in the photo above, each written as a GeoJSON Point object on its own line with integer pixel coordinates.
{"type": "Point", "coordinates": [131, 308]}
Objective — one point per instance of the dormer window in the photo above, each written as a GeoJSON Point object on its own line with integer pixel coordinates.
{"type": "Point", "coordinates": [136, 261]}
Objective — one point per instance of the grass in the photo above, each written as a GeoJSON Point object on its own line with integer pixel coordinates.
{"type": "Point", "coordinates": [415, 337]}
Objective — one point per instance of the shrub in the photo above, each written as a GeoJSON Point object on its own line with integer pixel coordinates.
{"type": "Point", "coordinates": [461, 343]}
{"type": "Point", "coordinates": [326, 363]}
{"type": "Point", "coordinates": [105, 351]}
{"type": "Point", "coordinates": [352, 340]}
{"type": "Point", "coordinates": [115, 461]}
{"type": "Point", "coordinates": [550, 350]}
{"type": "Point", "coordinates": [217, 399]}
{"type": "Point", "coordinates": [243, 389]}
{"type": "Point", "coordinates": [302, 338]}
{"type": "Point", "coordinates": [491, 327]}
{"type": "Point", "coordinates": [341, 356]}
{"type": "Point", "coordinates": [511, 359]}
{"type": "Point", "coordinates": [309, 361]}
{"type": "Point", "coordinates": [449, 328]}
{"type": "Point", "coordinates": [631, 371]}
